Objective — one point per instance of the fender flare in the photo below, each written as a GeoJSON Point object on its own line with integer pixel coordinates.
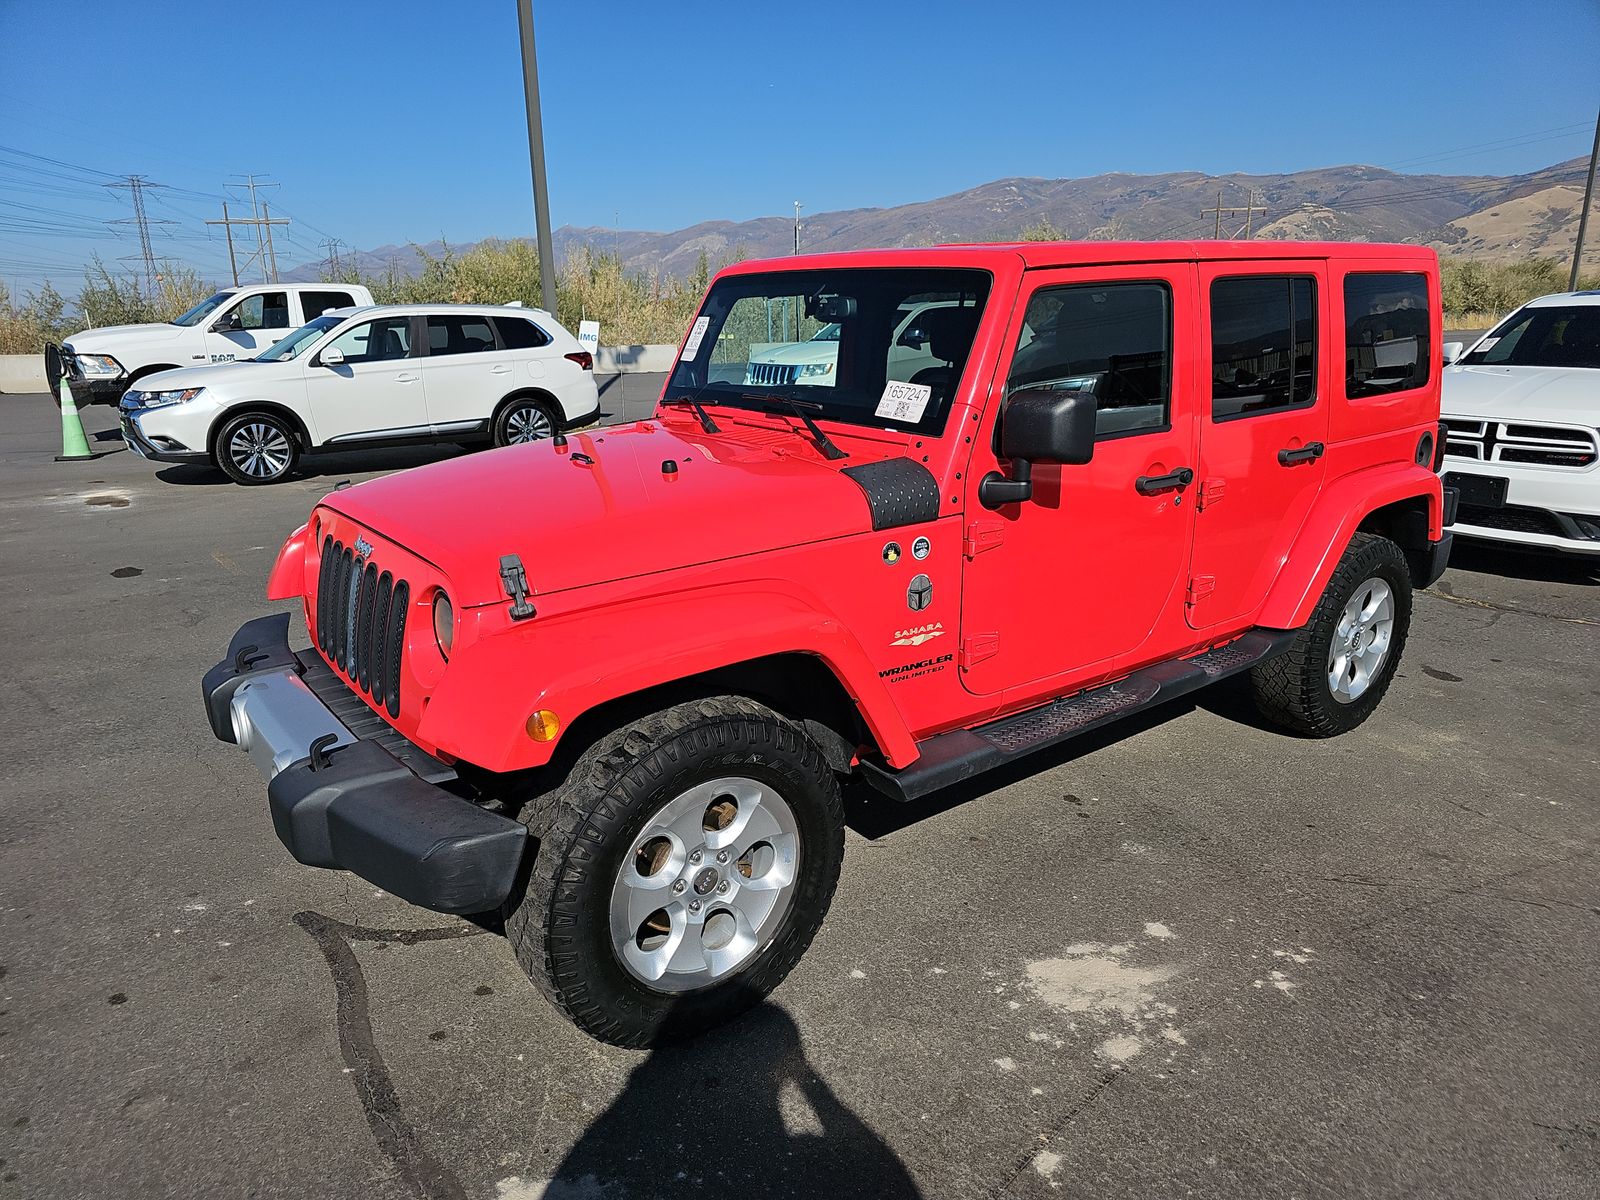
{"type": "Point", "coordinates": [610, 651]}
{"type": "Point", "coordinates": [1328, 528]}
{"type": "Point", "coordinates": [287, 579]}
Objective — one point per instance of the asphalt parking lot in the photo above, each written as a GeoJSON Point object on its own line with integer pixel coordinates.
{"type": "Point", "coordinates": [1196, 957]}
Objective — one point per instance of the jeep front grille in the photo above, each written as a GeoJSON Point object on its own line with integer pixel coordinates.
{"type": "Point", "coordinates": [1519, 442]}
{"type": "Point", "coordinates": [770, 374]}
{"type": "Point", "coordinates": [361, 622]}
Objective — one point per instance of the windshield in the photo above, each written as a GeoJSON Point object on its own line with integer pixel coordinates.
{"type": "Point", "coordinates": [289, 347]}
{"type": "Point", "coordinates": [1564, 336]}
{"type": "Point", "coordinates": [883, 347]}
{"type": "Point", "coordinates": [203, 310]}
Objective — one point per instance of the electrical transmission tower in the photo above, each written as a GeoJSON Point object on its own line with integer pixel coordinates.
{"type": "Point", "coordinates": [331, 264]}
{"type": "Point", "coordinates": [136, 185]}
{"type": "Point", "coordinates": [262, 221]}
{"type": "Point", "coordinates": [1250, 209]}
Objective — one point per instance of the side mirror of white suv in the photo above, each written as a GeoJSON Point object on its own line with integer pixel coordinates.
{"type": "Point", "coordinates": [1452, 351]}
{"type": "Point", "coordinates": [332, 357]}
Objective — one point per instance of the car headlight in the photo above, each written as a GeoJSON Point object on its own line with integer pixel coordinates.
{"type": "Point", "coordinates": [812, 370]}
{"type": "Point", "coordinates": [99, 366]}
{"type": "Point", "coordinates": [444, 623]}
{"type": "Point", "coordinates": [176, 396]}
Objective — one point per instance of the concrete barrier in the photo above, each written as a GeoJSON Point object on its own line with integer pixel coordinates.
{"type": "Point", "coordinates": [23, 373]}
{"type": "Point", "coordinates": [634, 360]}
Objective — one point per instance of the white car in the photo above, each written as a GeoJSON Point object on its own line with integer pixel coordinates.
{"type": "Point", "coordinates": [1522, 408]}
{"type": "Point", "coordinates": [369, 376]}
{"type": "Point", "coordinates": [238, 322]}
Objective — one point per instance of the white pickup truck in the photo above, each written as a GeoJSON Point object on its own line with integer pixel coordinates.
{"type": "Point", "coordinates": [238, 322]}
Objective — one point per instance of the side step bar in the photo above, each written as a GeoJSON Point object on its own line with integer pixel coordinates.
{"type": "Point", "coordinates": [949, 758]}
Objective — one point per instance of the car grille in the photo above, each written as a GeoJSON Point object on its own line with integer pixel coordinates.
{"type": "Point", "coordinates": [361, 622]}
{"type": "Point", "coordinates": [1519, 442]}
{"type": "Point", "coordinates": [770, 374]}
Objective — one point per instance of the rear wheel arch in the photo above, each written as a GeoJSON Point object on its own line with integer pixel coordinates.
{"type": "Point", "coordinates": [529, 393]}
{"type": "Point", "coordinates": [1405, 523]}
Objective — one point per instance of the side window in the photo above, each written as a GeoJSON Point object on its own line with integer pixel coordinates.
{"type": "Point", "coordinates": [1112, 340]}
{"type": "Point", "coordinates": [460, 335]}
{"type": "Point", "coordinates": [1385, 333]}
{"type": "Point", "coordinates": [517, 334]}
{"type": "Point", "coordinates": [1263, 345]}
{"type": "Point", "coordinates": [375, 341]}
{"type": "Point", "coordinates": [314, 304]}
{"type": "Point", "coordinates": [264, 310]}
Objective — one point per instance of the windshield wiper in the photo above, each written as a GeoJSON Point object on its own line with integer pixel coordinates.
{"type": "Point", "coordinates": [693, 401]}
{"type": "Point", "coordinates": [798, 408]}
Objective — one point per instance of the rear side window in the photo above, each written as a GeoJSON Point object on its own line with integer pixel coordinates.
{"type": "Point", "coordinates": [314, 304]}
{"type": "Point", "coordinates": [460, 335]}
{"type": "Point", "coordinates": [517, 334]}
{"type": "Point", "coordinates": [1385, 333]}
{"type": "Point", "coordinates": [1263, 345]}
{"type": "Point", "coordinates": [1112, 340]}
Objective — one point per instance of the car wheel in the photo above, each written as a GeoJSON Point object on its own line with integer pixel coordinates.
{"type": "Point", "coordinates": [1342, 661]}
{"type": "Point", "coordinates": [257, 448]}
{"type": "Point", "coordinates": [683, 868]}
{"type": "Point", "coordinates": [524, 420]}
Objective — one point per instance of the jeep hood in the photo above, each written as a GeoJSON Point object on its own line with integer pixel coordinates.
{"type": "Point", "coordinates": [108, 339]}
{"type": "Point", "coordinates": [752, 488]}
{"type": "Point", "coordinates": [1568, 395]}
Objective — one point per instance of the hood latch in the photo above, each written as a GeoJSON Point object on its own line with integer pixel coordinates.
{"type": "Point", "coordinates": [515, 580]}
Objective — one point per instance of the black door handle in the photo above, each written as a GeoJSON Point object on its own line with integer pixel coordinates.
{"type": "Point", "coordinates": [1173, 481]}
{"type": "Point", "coordinates": [1310, 452]}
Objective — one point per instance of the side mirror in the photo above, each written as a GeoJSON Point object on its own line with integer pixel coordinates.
{"type": "Point", "coordinates": [914, 337]}
{"type": "Point", "coordinates": [227, 324]}
{"type": "Point", "coordinates": [1039, 425]}
{"type": "Point", "coordinates": [332, 357]}
{"type": "Point", "coordinates": [1453, 351]}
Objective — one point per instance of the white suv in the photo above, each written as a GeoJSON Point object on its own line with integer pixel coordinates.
{"type": "Point", "coordinates": [1522, 408]}
{"type": "Point", "coordinates": [369, 376]}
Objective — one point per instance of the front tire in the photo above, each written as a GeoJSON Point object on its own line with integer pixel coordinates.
{"type": "Point", "coordinates": [525, 420]}
{"type": "Point", "coordinates": [257, 448]}
{"type": "Point", "coordinates": [1344, 658]}
{"type": "Point", "coordinates": [683, 867]}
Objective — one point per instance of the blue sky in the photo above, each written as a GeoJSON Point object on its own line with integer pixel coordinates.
{"type": "Point", "coordinates": [398, 121]}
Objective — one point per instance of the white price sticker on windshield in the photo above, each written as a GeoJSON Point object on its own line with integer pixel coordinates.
{"type": "Point", "coordinates": [697, 334]}
{"type": "Point", "coordinates": [904, 401]}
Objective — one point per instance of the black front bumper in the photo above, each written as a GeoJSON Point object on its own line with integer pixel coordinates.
{"type": "Point", "coordinates": [96, 391]}
{"type": "Point", "coordinates": [372, 804]}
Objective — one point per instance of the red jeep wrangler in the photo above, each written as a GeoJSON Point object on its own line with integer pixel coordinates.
{"type": "Point", "coordinates": [907, 514]}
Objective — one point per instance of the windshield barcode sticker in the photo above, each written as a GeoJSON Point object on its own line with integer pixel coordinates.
{"type": "Point", "coordinates": [697, 334]}
{"type": "Point", "coordinates": [904, 401]}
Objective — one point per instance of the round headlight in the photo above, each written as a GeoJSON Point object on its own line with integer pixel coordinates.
{"type": "Point", "coordinates": [444, 623]}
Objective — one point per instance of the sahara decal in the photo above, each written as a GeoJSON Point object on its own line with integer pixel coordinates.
{"type": "Point", "coordinates": [919, 635]}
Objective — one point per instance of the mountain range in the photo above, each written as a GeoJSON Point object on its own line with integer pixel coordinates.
{"type": "Point", "coordinates": [1481, 216]}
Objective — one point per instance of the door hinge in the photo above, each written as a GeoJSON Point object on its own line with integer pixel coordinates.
{"type": "Point", "coordinates": [981, 536]}
{"type": "Point", "coordinates": [1201, 586]}
{"type": "Point", "coordinates": [977, 647]}
{"type": "Point", "coordinates": [1211, 490]}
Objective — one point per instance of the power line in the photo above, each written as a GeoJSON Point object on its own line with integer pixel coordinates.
{"type": "Point", "coordinates": [136, 184]}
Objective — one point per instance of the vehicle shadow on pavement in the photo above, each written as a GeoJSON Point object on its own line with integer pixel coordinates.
{"type": "Point", "coordinates": [1539, 567]}
{"type": "Point", "coordinates": [740, 1112]}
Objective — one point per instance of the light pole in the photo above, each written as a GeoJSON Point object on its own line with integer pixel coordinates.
{"type": "Point", "coordinates": [541, 197]}
{"type": "Point", "coordinates": [797, 227]}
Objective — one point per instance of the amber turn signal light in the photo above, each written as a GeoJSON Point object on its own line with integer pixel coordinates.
{"type": "Point", "coordinates": [543, 726]}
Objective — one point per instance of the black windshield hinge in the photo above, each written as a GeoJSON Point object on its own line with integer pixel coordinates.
{"type": "Point", "coordinates": [515, 580]}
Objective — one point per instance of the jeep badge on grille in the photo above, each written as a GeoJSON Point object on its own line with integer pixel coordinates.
{"type": "Point", "coordinates": [363, 547]}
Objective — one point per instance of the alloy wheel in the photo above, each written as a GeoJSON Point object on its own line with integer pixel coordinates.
{"type": "Point", "coordinates": [705, 885]}
{"type": "Point", "coordinates": [260, 450]}
{"type": "Point", "coordinates": [528, 423]}
{"type": "Point", "coordinates": [1361, 641]}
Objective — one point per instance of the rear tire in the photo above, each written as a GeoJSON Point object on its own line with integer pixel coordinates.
{"type": "Point", "coordinates": [525, 419]}
{"type": "Point", "coordinates": [634, 823]}
{"type": "Point", "coordinates": [1342, 660]}
{"type": "Point", "coordinates": [256, 448]}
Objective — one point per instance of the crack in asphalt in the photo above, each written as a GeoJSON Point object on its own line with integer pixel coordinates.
{"type": "Point", "coordinates": [1438, 592]}
{"type": "Point", "coordinates": [424, 1175]}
